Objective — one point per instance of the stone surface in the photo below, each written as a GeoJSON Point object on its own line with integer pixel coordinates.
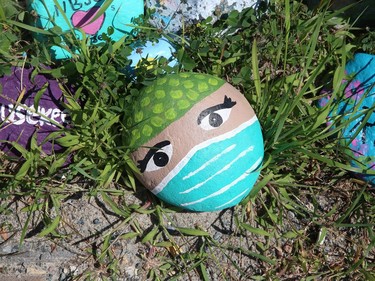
{"type": "Point", "coordinates": [20, 118]}
{"type": "Point", "coordinates": [82, 15]}
{"type": "Point", "coordinates": [70, 256]}
{"type": "Point", "coordinates": [198, 143]}
{"type": "Point", "coordinates": [172, 15]}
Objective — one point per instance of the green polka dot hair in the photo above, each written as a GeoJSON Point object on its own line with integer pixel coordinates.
{"type": "Point", "coordinates": [165, 101]}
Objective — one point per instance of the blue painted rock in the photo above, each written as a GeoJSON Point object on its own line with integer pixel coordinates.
{"type": "Point", "coordinates": [171, 15]}
{"type": "Point", "coordinates": [360, 91]}
{"type": "Point", "coordinates": [197, 141]}
{"type": "Point", "coordinates": [82, 15]}
{"type": "Point", "coordinates": [19, 121]}
{"type": "Point", "coordinates": [153, 50]}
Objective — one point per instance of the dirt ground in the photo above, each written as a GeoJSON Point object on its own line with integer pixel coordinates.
{"type": "Point", "coordinates": [86, 221]}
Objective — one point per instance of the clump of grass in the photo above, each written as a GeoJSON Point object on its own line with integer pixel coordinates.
{"type": "Point", "coordinates": [281, 57]}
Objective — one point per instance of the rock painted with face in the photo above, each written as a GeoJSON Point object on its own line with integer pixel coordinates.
{"type": "Point", "coordinates": [198, 143]}
{"type": "Point", "coordinates": [81, 14]}
{"type": "Point", "coordinates": [20, 121]}
{"type": "Point", "coordinates": [359, 95]}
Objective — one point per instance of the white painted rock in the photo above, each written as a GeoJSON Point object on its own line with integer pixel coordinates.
{"type": "Point", "coordinates": [197, 141]}
{"type": "Point", "coordinates": [171, 15]}
{"type": "Point", "coordinates": [81, 15]}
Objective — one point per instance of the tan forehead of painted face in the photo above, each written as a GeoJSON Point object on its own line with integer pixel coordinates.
{"type": "Point", "coordinates": [185, 133]}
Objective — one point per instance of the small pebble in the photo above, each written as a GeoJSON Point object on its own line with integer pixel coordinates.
{"type": "Point", "coordinates": [217, 236]}
{"type": "Point", "coordinates": [96, 221]}
{"type": "Point", "coordinates": [81, 221]}
{"type": "Point", "coordinates": [6, 249]}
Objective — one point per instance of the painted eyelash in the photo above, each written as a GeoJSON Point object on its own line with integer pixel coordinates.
{"type": "Point", "coordinates": [228, 103]}
{"type": "Point", "coordinates": [142, 164]}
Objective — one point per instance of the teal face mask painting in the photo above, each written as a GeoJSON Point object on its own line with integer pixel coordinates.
{"type": "Point", "coordinates": [205, 152]}
{"type": "Point", "coordinates": [217, 173]}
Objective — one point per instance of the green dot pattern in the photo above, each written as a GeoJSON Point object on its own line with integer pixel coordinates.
{"type": "Point", "coordinates": [164, 101]}
{"type": "Point", "coordinates": [183, 104]}
{"type": "Point", "coordinates": [159, 94]}
{"type": "Point", "coordinates": [138, 117]}
{"type": "Point", "coordinates": [171, 114]}
{"type": "Point", "coordinates": [147, 130]}
{"type": "Point", "coordinates": [158, 108]}
{"type": "Point", "coordinates": [176, 94]}
{"type": "Point", "coordinates": [145, 101]}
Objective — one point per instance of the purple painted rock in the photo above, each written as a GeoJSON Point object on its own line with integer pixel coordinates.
{"type": "Point", "coordinates": [20, 120]}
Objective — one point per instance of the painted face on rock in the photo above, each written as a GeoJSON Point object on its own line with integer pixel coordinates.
{"type": "Point", "coordinates": [207, 160]}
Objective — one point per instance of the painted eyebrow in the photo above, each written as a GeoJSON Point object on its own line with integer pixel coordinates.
{"type": "Point", "coordinates": [228, 103]}
{"type": "Point", "coordinates": [142, 164]}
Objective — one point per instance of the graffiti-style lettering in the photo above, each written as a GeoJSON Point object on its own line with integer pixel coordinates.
{"type": "Point", "coordinates": [75, 5]}
{"type": "Point", "coordinates": [63, 6]}
{"type": "Point", "coordinates": [20, 115]}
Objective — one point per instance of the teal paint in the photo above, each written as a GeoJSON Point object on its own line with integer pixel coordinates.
{"type": "Point", "coordinates": [218, 173]}
{"type": "Point", "coordinates": [358, 96]}
{"type": "Point", "coordinates": [80, 15]}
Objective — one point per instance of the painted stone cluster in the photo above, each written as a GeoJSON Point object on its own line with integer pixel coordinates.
{"type": "Point", "coordinates": [81, 14]}
{"type": "Point", "coordinates": [359, 95]}
{"type": "Point", "coordinates": [172, 15]}
{"type": "Point", "coordinates": [20, 119]}
{"type": "Point", "coordinates": [197, 141]}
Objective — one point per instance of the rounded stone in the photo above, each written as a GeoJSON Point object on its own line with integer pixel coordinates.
{"type": "Point", "coordinates": [358, 96]}
{"type": "Point", "coordinates": [204, 151]}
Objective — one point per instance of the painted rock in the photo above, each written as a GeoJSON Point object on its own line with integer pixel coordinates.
{"type": "Point", "coordinates": [197, 141]}
{"type": "Point", "coordinates": [360, 91]}
{"type": "Point", "coordinates": [153, 50]}
{"type": "Point", "coordinates": [19, 121]}
{"type": "Point", "coordinates": [171, 15]}
{"type": "Point", "coordinates": [82, 14]}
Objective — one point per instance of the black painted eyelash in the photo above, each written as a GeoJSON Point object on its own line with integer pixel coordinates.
{"type": "Point", "coordinates": [142, 164]}
{"type": "Point", "coordinates": [228, 103]}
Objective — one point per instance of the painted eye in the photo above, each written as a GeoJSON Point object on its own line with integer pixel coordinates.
{"type": "Point", "coordinates": [157, 157]}
{"type": "Point", "coordinates": [214, 116]}
{"type": "Point", "coordinates": [215, 119]}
